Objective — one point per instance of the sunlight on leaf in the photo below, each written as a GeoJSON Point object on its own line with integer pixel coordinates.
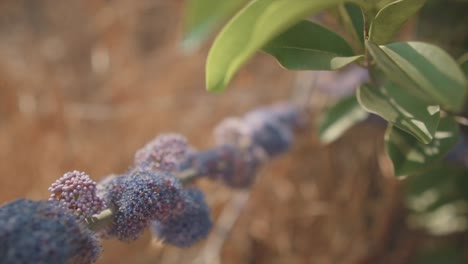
{"type": "Point", "coordinates": [202, 17]}
{"type": "Point", "coordinates": [400, 108]}
{"type": "Point", "coordinates": [410, 156]}
{"type": "Point", "coordinates": [424, 70]}
{"type": "Point", "coordinates": [253, 27]}
{"type": "Point", "coordinates": [391, 18]}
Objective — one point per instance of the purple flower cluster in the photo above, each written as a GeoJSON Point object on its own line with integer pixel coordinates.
{"type": "Point", "coordinates": [141, 196]}
{"type": "Point", "coordinates": [243, 144]}
{"type": "Point", "coordinates": [234, 166]}
{"type": "Point", "coordinates": [162, 153]}
{"type": "Point", "coordinates": [145, 198]}
{"type": "Point", "coordinates": [267, 132]}
{"type": "Point", "coordinates": [190, 225]}
{"type": "Point", "coordinates": [269, 128]}
{"type": "Point", "coordinates": [148, 195]}
{"type": "Point", "coordinates": [290, 115]}
{"type": "Point", "coordinates": [41, 232]}
{"type": "Point", "coordinates": [110, 188]}
{"type": "Point", "coordinates": [76, 192]}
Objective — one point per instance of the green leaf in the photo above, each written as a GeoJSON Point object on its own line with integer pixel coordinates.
{"type": "Point", "coordinates": [463, 62]}
{"type": "Point", "coordinates": [339, 118]}
{"type": "Point", "coordinates": [420, 183]}
{"type": "Point", "coordinates": [409, 156]}
{"type": "Point", "coordinates": [442, 179]}
{"type": "Point", "coordinates": [437, 194]}
{"type": "Point", "coordinates": [203, 16]}
{"type": "Point", "coordinates": [442, 254]}
{"type": "Point", "coordinates": [357, 20]}
{"type": "Point", "coordinates": [248, 31]}
{"type": "Point", "coordinates": [391, 18]}
{"type": "Point", "coordinates": [309, 46]}
{"type": "Point", "coordinates": [400, 108]}
{"type": "Point", "coordinates": [424, 69]}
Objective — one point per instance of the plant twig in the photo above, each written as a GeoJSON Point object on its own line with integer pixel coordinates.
{"type": "Point", "coordinates": [224, 225]}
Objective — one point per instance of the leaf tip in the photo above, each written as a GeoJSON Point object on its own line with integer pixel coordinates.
{"type": "Point", "coordinates": [215, 86]}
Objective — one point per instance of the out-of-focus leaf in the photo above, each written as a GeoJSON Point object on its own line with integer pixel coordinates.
{"type": "Point", "coordinates": [309, 46]}
{"type": "Point", "coordinates": [463, 61]}
{"type": "Point", "coordinates": [357, 19]}
{"type": "Point", "coordinates": [441, 179]}
{"type": "Point", "coordinates": [203, 16]}
{"type": "Point", "coordinates": [440, 255]}
{"type": "Point", "coordinates": [247, 32]}
{"type": "Point", "coordinates": [390, 18]}
{"type": "Point", "coordinates": [410, 156]}
{"type": "Point", "coordinates": [437, 200]}
{"type": "Point", "coordinates": [400, 108]}
{"type": "Point", "coordinates": [353, 21]}
{"type": "Point", "coordinates": [339, 118]}
{"type": "Point", "coordinates": [424, 70]}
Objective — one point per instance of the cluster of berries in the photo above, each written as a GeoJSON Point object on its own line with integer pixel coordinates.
{"type": "Point", "coordinates": [244, 144]}
{"type": "Point", "coordinates": [76, 191]}
{"type": "Point", "coordinates": [44, 232]}
{"type": "Point", "coordinates": [151, 194]}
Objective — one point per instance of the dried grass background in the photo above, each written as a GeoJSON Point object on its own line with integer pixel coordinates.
{"type": "Point", "coordinates": [84, 84]}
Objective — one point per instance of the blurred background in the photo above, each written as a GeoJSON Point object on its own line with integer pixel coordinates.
{"type": "Point", "coordinates": [84, 84]}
